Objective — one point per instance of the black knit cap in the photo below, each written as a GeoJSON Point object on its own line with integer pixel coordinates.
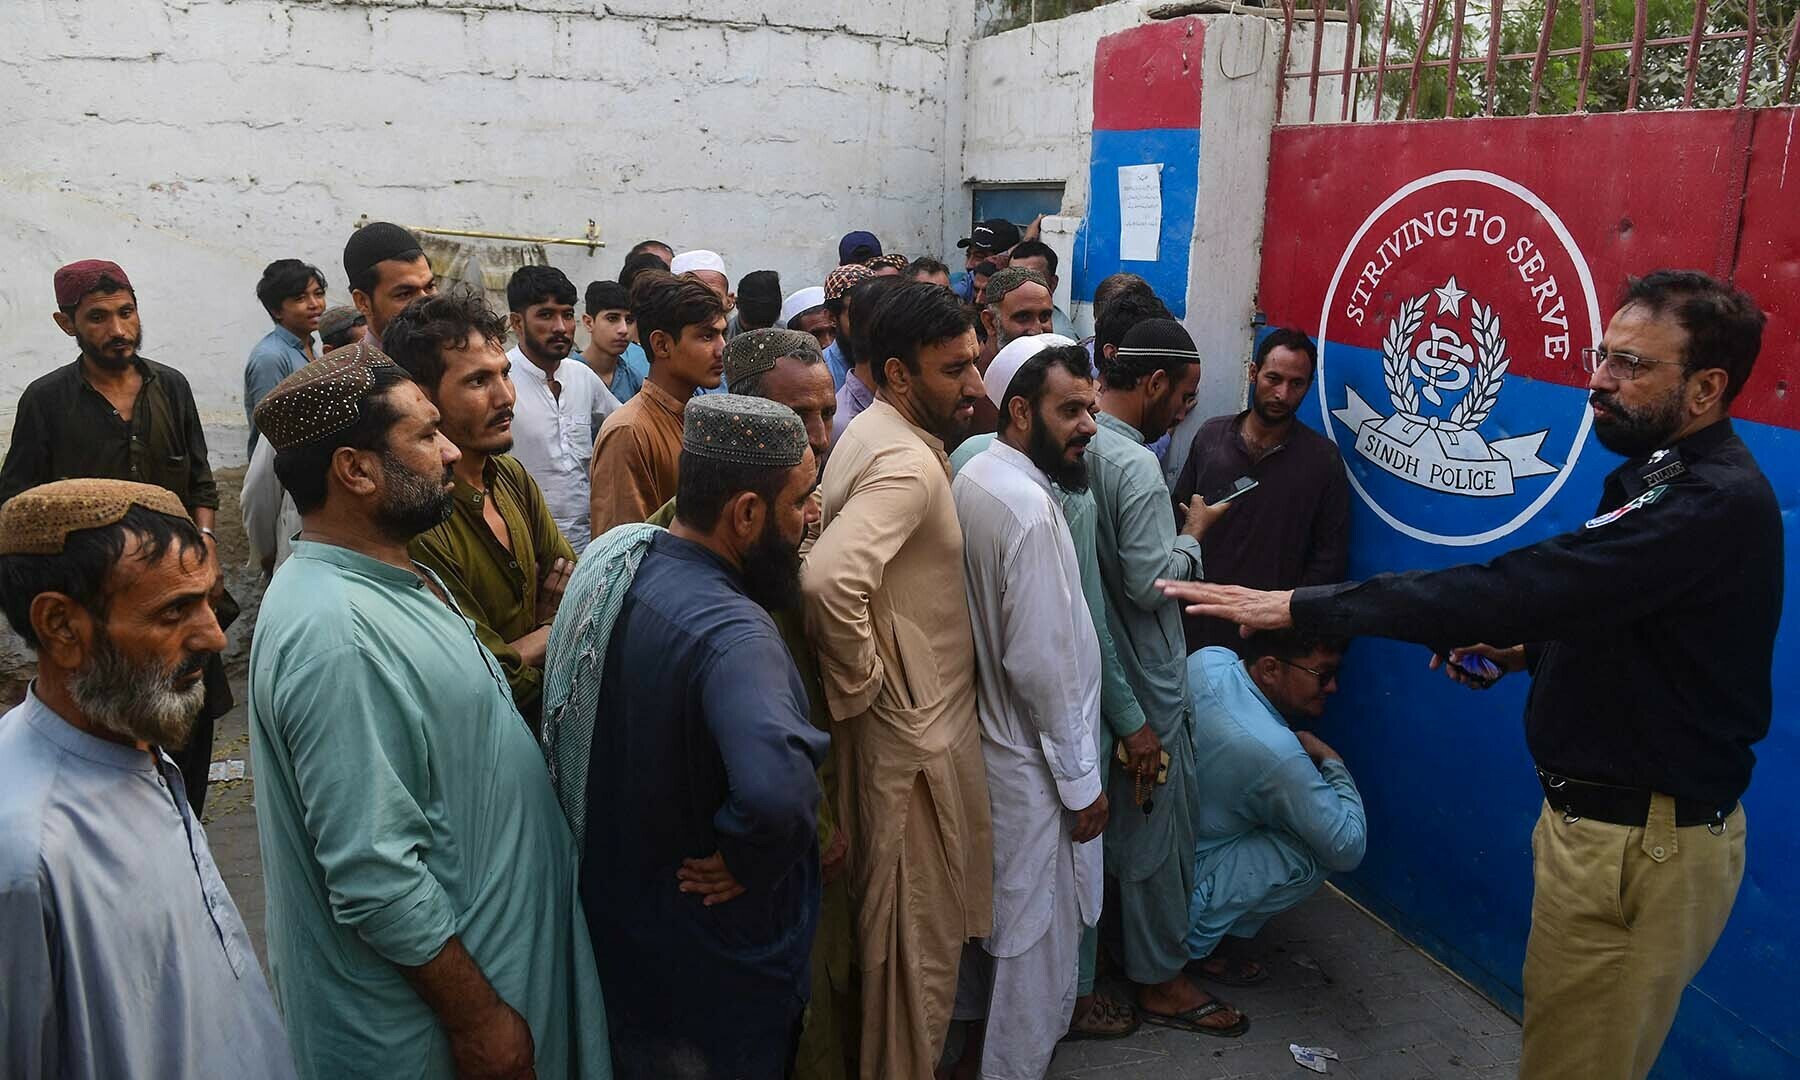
{"type": "Point", "coordinates": [376, 242]}
{"type": "Point", "coordinates": [1158, 341]}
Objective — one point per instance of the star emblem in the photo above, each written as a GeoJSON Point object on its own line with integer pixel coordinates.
{"type": "Point", "coordinates": [1450, 298]}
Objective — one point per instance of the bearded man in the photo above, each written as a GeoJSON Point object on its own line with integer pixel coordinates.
{"type": "Point", "coordinates": [124, 954]}
{"type": "Point", "coordinates": [1038, 657]}
{"type": "Point", "coordinates": [1649, 634]}
{"type": "Point", "coordinates": [559, 405]}
{"type": "Point", "coordinates": [115, 413]}
{"type": "Point", "coordinates": [785, 367]}
{"type": "Point", "coordinates": [422, 909]}
{"type": "Point", "coordinates": [500, 552]}
{"type": "Point", "coordinates": [886, 610]}
{"type": "Point", "coordinates": [1123, 720]}
{"type": "Point", "coordinates": [1295, 529]}
{"type": "Point", "coordinates": [671, 687]}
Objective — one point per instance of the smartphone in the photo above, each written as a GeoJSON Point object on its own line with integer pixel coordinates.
{"type": "Point", "coordinates": [1480, 669]}
{"type": "Point", "coordinates": [1238, 487]}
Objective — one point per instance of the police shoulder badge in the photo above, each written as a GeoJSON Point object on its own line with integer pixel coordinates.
{"type": "Point", "coordinates": [1663, 466]}
{"type": "Point", "coordinates": [1648, 497]}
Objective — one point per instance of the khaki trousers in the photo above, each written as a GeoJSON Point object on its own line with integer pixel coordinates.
{"type": "Point", "coordinates": [1621, 920]}
{"type": "Point", "coordinates": [907, 1000]}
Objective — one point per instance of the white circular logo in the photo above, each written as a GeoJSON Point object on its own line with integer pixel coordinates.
{"type": "Point", "coordinates": [1448, 357]}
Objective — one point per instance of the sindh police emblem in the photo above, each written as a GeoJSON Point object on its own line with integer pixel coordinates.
{"type": "Point", "coordinates": [1447, 370]}
{"type": "Point", "coordinates": [1419, 442]}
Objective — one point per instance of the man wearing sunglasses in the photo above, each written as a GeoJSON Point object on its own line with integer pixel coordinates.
{"type": "Point", "coordinates": [1649, 633]}
{"type": "Point", "coordinates": [1277, 810]}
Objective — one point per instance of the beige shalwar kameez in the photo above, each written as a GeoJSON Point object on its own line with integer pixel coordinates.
{"type": "Point", "coordinates": [886, 609]}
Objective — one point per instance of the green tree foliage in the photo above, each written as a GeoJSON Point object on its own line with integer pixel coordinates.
{"type": "Point", "coordinates": [1661, 84]}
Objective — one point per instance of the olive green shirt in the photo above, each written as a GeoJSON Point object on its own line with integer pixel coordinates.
{"type": "Point", "coordinates": [496, 588]}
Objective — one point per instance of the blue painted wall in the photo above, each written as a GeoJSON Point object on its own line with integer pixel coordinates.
{"type": "Point", "coordinates": [1097, 241]}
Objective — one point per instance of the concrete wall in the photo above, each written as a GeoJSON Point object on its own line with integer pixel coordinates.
{"type": "Point", "coordinates": [1030, 103]}
{"type": "Point", "coordinates": [1027, 115]}
{"type": "Point", "coordinates": [194, 140]}
{"type": "Point", "coordinates": [1030, 117]}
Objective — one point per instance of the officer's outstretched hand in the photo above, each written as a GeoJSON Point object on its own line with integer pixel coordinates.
{"type": "Point", "coordinates": [1507, 660]}
{"type": "Point", "coordinates": [1251, 609]}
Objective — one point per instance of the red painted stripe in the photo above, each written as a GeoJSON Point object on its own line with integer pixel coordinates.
{"type": "Point", "coordinates": [1713, 191]}
{"type": "Point", "coordinates": [1149, 77]}
{"type": "Point", "coordinates": [1768, 266]}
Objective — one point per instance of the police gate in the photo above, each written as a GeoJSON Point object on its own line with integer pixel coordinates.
{"type": "Point", "coordinates": [1452, 270]}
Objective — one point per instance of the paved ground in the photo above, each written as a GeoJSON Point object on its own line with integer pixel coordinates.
{"type": "Point", "coordinates": [1337, 978]}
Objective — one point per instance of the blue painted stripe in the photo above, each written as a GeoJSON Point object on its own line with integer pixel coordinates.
{"type": "Point", "coordinates": [1097, 241]}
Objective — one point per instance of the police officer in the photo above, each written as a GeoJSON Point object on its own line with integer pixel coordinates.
{"type": "Point", "coordinates": [1648, 633]}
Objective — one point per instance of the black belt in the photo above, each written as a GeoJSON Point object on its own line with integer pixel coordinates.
{"type": "Point", "coordinates": [1621, 805]}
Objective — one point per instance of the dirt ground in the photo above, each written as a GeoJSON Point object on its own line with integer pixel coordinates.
{"type": "Point", "coordinates": [242, 579]}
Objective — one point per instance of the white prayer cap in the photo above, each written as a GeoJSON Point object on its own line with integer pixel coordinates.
{"type": "Point", "coordinates": [802, 301]}
{"type": "Point", "coordinates": [1010, 359]}
{"type": "Point", "coordinates": [689, 261]}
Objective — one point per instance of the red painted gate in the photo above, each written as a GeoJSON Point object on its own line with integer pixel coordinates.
{"type": "Point", "coordinates": [1452, 271]}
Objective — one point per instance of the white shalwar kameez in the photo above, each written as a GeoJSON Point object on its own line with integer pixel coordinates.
{"type": "Point", "coordinates": [1038, 659]}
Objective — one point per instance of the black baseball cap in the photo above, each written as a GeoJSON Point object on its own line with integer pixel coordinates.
{"type": "Point", "coordinates": [995, 234]}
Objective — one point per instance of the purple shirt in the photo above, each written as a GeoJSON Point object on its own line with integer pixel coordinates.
{"type": "Point", "coordinates": [853, 397]}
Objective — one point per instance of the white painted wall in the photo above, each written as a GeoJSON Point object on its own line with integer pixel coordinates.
{"type": "Point", "coordinates": [1237, 108]}
{"type": "Point", "coordinates": [1031, 100]}
{"type": "Point", "coordinates": [194, 140]}
{"type": "Point", "coordinates": [1030, 117]}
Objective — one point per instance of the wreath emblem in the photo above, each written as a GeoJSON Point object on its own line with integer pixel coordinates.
{"type": "Point", "coordinates": [1420, 365]}
{"type": "Point", "coordinates": [1401, 363]}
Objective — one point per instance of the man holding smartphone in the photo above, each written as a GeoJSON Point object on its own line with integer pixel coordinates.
{"type": "Point", "coordinates": [1649, 652]}
{"type": "Point", "coordinates": [1293, 529]}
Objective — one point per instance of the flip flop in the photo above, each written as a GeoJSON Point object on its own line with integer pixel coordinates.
{"type": "Point", "coordinates": [1111, 1010]}
{"type": "Point", "coordinates": [1190, 1021]}
{"type": "Point", "coordinates": [1234, 972]}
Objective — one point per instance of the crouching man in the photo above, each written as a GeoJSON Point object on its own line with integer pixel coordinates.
{"type": "Point", "coordinates": [1277, 809]}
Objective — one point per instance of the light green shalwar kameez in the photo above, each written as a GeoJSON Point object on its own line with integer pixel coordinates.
{"type": "Point", "coordinates": [1137, 542]}
{"type": "Point", "coordinates": [400, 800]}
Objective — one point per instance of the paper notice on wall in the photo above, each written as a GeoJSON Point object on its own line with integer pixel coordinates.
{"type": "Point", "coordinates": [1140, 212]}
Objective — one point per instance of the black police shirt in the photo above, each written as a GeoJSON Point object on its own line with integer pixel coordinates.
{"type": "Point", "coordinates": [1650, 630]}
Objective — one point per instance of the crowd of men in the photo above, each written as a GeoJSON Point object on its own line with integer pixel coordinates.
{"type": "Point", "coordinates": [786, 677]}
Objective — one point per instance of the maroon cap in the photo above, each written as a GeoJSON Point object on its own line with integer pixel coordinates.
{"type": "Point", "coordinates": [77, 279]}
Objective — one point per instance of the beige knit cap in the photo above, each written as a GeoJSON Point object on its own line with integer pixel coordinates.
{"type": "Point", "coordinates": [38, 521]}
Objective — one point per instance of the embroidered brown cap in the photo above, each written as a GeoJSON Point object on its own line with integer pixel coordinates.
{"type": "Point", "coordinates": [839, 281]}
{"type": "Point", "coordinates": [322, 398]}
{"type": "Point", "coordinates": [756, 351]}
{"type": "Point", "coordinates": [743, 431]}
{"type": "Point", "coordinates": [1005, 281]}
{"type": "Point", "coordinates": [38, 521]}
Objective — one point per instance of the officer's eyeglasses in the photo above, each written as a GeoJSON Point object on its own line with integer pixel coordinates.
{"type": "Point", "coordinates": [1622, 366]}
{"type": "Point", "coordinates": [1325, 677]}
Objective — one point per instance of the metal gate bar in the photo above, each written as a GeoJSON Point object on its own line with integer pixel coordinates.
{"type": "Point", "coordinates": [1431, 13]}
